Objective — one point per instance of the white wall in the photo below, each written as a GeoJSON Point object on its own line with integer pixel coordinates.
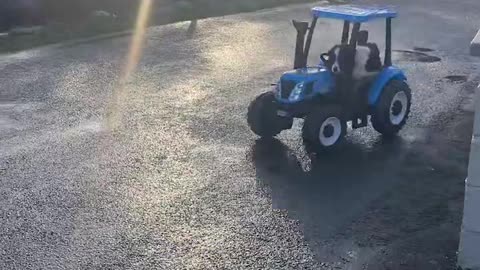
{"type": "Point", "coordinates": [469, 250]}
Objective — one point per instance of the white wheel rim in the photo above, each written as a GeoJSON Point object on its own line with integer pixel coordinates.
{"type": "Point", "coordinates": [398, 108]}
{"type": "Point", "coordinates": [330, 131]}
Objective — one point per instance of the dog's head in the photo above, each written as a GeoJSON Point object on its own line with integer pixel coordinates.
{"type": "Point", "coordinates": [341, 59]}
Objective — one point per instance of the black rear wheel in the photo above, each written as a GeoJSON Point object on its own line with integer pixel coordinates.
{"type": "Point", "coordinates": [393, 108]}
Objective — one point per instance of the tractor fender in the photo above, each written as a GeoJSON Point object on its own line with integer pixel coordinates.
{"type": "Point", "coordinates": [385, 76]}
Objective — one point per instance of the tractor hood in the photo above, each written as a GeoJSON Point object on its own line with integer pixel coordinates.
{"type": "Point", "coordinates": [304, 83]}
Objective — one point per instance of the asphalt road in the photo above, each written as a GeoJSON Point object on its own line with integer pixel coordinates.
{"type": "Point", "coordinates": [181, 183]}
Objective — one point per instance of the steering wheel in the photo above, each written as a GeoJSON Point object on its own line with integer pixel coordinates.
{"type": "Point", "coordinates": [324, 57]}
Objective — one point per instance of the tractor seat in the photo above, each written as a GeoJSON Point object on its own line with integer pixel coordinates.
{"type": "Point", "coordinates": [362, 37]}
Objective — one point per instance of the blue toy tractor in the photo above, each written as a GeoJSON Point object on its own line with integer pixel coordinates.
{"type": "Point", "coordinates": [317, 95]}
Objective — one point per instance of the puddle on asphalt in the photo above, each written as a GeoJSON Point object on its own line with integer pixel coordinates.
{"type": "Point", "coordinates": [456, 78]}
{"type": "Point", "coordinates": [422, 49]}
{"type": "Point", "coordinates": [415, 56]}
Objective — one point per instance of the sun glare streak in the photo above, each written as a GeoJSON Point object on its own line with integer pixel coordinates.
{"type": "Point", "coordinates": [133, 58]}
{"type": "Point", "coordinates": [136, 46]}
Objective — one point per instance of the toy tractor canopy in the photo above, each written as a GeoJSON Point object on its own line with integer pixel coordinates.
{"type": "Point", "coordinates": [350, 14]}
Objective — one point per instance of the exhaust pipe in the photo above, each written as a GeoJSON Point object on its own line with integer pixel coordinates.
{"type": "Point", "coordinates": [300, 58]}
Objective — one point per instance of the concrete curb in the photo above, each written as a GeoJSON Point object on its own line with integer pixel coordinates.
{"type": "Point", "coordinates": [469, 247]}
{"type": "Point", "coordinates": [93, 39]}
{"type": "Point", "coordinates": [101, 37]}
{"type": "Point", "coordinates": [72, 42]}
{"type": "Point", "coordinates": [475, 45]}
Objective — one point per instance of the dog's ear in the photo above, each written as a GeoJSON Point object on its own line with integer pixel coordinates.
{"type": "Point", "coordinates": [346, 58]}
{"type": "Point", "coordinates": [374, 62]}
{"type": "Point", "coordinates": [374, 51]}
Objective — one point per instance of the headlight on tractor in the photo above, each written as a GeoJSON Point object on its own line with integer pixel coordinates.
{"type": "Point", "coordinates": [296, 93]}
{"type": "Point", "coordinates": [277, 89]}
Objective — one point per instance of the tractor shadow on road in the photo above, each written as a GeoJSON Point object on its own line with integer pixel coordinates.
{"type": "Point", "coordinates": [336, 186]}
{"type": "Point", "coordinates": [360, 196]}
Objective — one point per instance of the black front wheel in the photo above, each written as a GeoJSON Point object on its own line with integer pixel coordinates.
{"type": "Point", "coordinates": [262, 116]}
{"type": "Point", "coordinates": [324, 128]}
{"type": "Point", "coordinates": [393, 108]}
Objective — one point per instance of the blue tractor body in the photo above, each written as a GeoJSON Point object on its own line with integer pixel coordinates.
{"type": "Point", "coordinates": [387, 74]}
{"type": "Point", "coordinates": [305, 84]}
{"type": "Point", "coordinates": [354, 14]}
{"type": "Point", "coordinates": [327, 101]}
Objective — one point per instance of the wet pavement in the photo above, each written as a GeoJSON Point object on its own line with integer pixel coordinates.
{"type": "Point", "coordinates": [160, 171]}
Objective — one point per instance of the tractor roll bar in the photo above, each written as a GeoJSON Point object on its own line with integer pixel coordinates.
{"type": "Point", "coordinates": [302, 47]}
{"type": "Point", "coordinates": [309, 39]}
{"type": "Point", "coordinates": [346, 31]}
{"type": "Point", "coordinates": [388, 43]}
{"type": "Point", "coordinates": [300, 60]}
{"type": "Point", "coordinates": [354, 37]}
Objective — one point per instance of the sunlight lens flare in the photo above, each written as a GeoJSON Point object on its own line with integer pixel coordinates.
{"type": "Point", "coordinates": [136, 46]}
{"type": "Point", "coordinates": [133, 58]}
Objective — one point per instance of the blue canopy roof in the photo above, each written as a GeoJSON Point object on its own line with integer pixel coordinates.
{"type": "Point", "coordinates": [352, 13]}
